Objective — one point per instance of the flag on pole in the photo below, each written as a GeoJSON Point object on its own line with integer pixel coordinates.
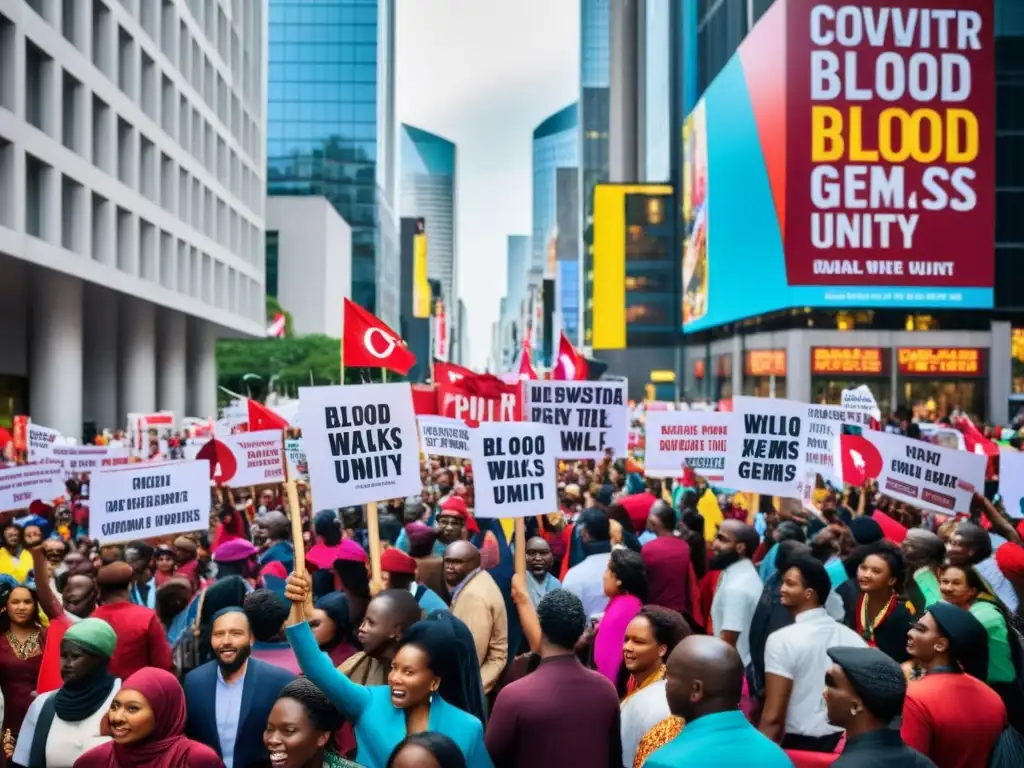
{"type": "Point", "coordinates": [261, 417]}
{"type": "Point", "coordinates": [369, 343]}
{"type": "Point", "coordinates": [570, 365]}
{"type": "Point", "coordinates": [276, 328]}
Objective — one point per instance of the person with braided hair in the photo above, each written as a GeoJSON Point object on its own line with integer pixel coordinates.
{"type": "Point", "coordinates": [300, 728]}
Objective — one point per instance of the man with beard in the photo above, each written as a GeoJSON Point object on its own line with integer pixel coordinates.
{"type": "Point", "coordinates": [229, 698]}
{"type": "Point", "coordinates": [739, 586]}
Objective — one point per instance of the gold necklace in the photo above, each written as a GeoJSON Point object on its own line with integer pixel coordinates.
{"type": "Point", "coordinates": [868, 630]}
{"type": "Point", "coordinates": [24, 650]}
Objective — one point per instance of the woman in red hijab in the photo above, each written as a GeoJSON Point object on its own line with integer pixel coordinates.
{"type": "Point", "coordinates": [147, 723]}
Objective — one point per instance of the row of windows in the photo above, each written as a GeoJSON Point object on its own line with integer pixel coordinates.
{"type": "Point", "coordinates": [310, 14]}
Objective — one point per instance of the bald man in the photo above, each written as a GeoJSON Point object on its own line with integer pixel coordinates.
{"type": "Point", "coordinates": [539, 560]}
{"type": "Point", "coordinates": [739, 587]}
{"type": "Point", "coordinates": [277, 530]}
{"type": "Point", "coordinates": [703, 683]}
{"type": "Point", "coordinates": [478, 602]}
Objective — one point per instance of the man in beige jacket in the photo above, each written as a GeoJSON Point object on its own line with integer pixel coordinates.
{"type": "Point", "coordinates": [477, 601]}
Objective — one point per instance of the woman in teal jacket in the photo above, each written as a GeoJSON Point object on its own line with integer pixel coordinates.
{"type": "Point", "coordinates": [383, 715]}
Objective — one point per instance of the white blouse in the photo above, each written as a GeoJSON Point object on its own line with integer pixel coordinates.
{"type": "Point", "coordinates": [66, 741]}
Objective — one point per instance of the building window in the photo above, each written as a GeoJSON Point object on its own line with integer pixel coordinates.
{"type": "Point", "coordinates": [273, 239]}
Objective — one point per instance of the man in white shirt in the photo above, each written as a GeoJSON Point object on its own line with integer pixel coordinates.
{"type": "Point", "coordinates": [739, 586]}
{"type": "Point", "coordinates": [586, 578]}
{"type": "Point", "coordinates": [796, 660]}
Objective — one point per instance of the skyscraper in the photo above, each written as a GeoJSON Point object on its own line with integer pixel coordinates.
{"type": "Point", "coordinates": [595, 54]}
{"type": "Point", "coordinates": [331, 128]}
{"type": "Point", "coordinates": [428, 173]}
{"type": "Point", "coordinates": [555, 148]}
{"type": "Point", "coordinates": [514, 307]}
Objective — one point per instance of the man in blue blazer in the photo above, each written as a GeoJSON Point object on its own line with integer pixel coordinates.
{"type": "Point", "coordinates": [230, 697]}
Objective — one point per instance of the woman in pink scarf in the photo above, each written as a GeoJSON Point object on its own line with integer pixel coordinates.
{"type": "Point", "coordinates": [625, 583]}
{"type": "Point", "coordinates": [147, 722]}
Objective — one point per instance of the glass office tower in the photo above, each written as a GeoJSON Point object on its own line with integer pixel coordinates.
{"type": "Point", "coordinates": [331, 128]}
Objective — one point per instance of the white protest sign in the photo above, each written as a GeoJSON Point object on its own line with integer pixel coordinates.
{"type": "Point", "coordinates": [591, 416]}
{"type": "Point", "coordinates": [862, 400]}
{"type": "Point", "coordinates": [766, 455]}
{"type": "Point", "coordinates": [361, 443]}
{"type": "Point", "coordinates": [696, 439]}
{"type": "Point", "coordinates": [1011, 482]}
{"type": "Point", "coordinates": [295, 453]}
{"type": "Point", "coordinates": [78, 459]}
{"type": "Point", "coordinates": [514, 469]}
{"type": "Point", "coordinates": [41, 441]}
{"type": "Point", "coordinates": [20, 486]}
{"type": "Point", "coordinates": [440, 436]}
{"type": "Point", "coordinates": [256, 458]}
{"type": "Point", "coordinates": [148, 499]}
{"type": "Point", "coordinates": [824, 423]}
{"type": "Point", "coordinates": [919, 473]}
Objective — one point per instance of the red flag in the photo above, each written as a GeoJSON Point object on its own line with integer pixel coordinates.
{"type": "Point", "coordinates": [369, 343]}
{"type": "Point", "coordinates": [463, 394]}
{"type": "Point", "coordinates": [859, 459]}
{"type": "Point", "coordinates": [570, 364]}
{"type": "Point", "coordinates": [261, 417]}
{"type": "Point", "coordinates": [525, 370]}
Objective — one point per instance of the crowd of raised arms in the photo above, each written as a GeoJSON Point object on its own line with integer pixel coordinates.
{"type": "Point", "coordinates": [870, 633]}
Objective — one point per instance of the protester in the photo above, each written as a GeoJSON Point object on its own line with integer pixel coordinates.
{"type": "Point", "coordinates": [739, 586]}
{"type": "Point", "coordinates": [186, 558]}
{"type": "Point", "coordinates": [427, 750]}
{"type": "Point", "coordinates": [388, 617]}
{"type": "Point", "coordinates": [147, 723]}
{"type": "Point", "coordinates": [880, 616]}
{"type": "Point", "coordinates": [923, 552]}
{"type": "Point", "coordinates": [478, 602]}
{"type": "Point", "coordinates": [423, 544]}
{"type": "Point", "coordinates": [62, 725]}
{"type": "Point", "coordinates": [332, 627]}
{"type": "Point", "coordinates": [704, 684]}
{"type": "Point", "coordinates": [267, 613]}
{"type": "Point", "coordinates": [864, 694]}
{"type": "Point", "coordinates": [15, 559]}
{"type": "Point", "coordinates": [796, 660]}
{"type": "Point", "coordinates": [647, 723]}
{"type": "Point", "coordinates": [141, 640]}
{"type": "Point", "coordinates": [139, 555]}
{"type": "Point", "coordinates": [382, 716]}
{"type": "Point", "coordinates": [520, 727]}
{"type": "Point", "coordinates": [669, 568]}
{"type": "Point", "coordinates": [163, 557]}
{"type": "Point", "coordinates": [585, 579]}
{"type": "Point", "coordinates": [278, 540]}
{"type": "Point", "coordinates": [970, 545]}
{"type": "Point", "coordinates": [950, 715]}
{"type": "Point", "coordinates": [300, 727]}
{"type": "Point", "coordinates": [787, 530]}
{"type": "Point", "coordinates": [237, 557]}
{"type": "Point", "coordinates": [399, 572]}
{"type": "Point", "coordinates": [626, 586]}
{"type": "Point", "coordinates": [539, 562]}
{"type": "Point", "coordinates": [22, 639]}
{"type": "Point", "coordinates": [228, 699]}
{"type": "Point", "coordinates": [451, 523]}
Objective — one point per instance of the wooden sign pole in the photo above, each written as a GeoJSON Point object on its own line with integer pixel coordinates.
{"type": "Point", "coordinates": [373, 529]}
{"type": "Point", "coordinates": [520, 546]}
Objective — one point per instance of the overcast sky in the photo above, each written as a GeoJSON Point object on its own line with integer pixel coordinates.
{"type": "Point", "coordinates": [484, 74]}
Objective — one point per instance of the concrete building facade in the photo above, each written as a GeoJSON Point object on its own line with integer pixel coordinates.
{"type": "Point", "coordinates": [132, 191]}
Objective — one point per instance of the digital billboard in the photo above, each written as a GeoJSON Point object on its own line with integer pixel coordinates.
{"type": "Point", "coordinates": [856, 169]}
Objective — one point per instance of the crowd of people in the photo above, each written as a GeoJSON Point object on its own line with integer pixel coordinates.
{"type": "Point", "coordinates": [864, 633]}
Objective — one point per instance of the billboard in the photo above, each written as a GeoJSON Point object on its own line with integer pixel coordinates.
{"type": "Point", "coordinates": [421, 293]}
{"type": "Point", "coordinates": [634, 290]}
{"type": "Point", "coordinates": [855, 170]}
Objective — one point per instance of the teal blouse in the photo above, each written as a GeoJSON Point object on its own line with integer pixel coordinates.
{"type": "Point", "coordinates": [379, 726]}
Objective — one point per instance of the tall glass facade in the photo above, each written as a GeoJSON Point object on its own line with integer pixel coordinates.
{"type": "Point", "coordinates": [428, 164]}
{"type": "Point", "coordinates": [657, 79]}
{"type": "Point", "coordinates": [513, 308]}
{"type": "Point", "coordinates": [567, 253]}
{"type": "Point", "coordinates": [555, 148]}
{"type": "Point", "coordinates": [331, 128]}
{"type": "Point", "coordinates": [595, 77]}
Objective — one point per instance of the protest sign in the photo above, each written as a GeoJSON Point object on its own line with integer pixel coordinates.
{"type": "Point", "coordinates": [361, 443]}
{"type": "Point", "coordinates": [295, 454]}
{"type": "Point", "coordinates": [695, 439]}
{"type": "Point", "coordinates": [824, 424]}
{"type": "Point", "coordinates": [41, 441]}
{"type": "Point", "coordinates": [514, 469]}
{"type": "Point", "coordinates": [248, 458]}
{"type": "Point", "coordinates": [591, 416]}
{"type": "Point", "coordinates": [1011, 483]}
{"type": "Point", "coordinates": [861, 400]}
{"type": "Point", "coordinates": [146, 500]}
{"type": "Point", "coordinates": [444, 437]}
{"type": "Point", "coordinates": [78, 459]}
{"type": "Point", "coordinates": [766, 455]}
{"type": "Point", "coordinates": [919, 473]}
{"type": "Point", "coordinates": [20, 486]}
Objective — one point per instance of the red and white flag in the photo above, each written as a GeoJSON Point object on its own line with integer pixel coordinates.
{"type": "Point", "coordinates": [276, 328]}
{"type": "Point", "coordinates": [262, 418]}
{"type": "Point", "coordinates": [523, 367]}
{"type": "Point", "coordinates": [570, 365]}
{"type": "Point", "coordinates": [370, 343]}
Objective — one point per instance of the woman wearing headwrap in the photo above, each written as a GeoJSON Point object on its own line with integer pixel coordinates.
{"type": "Point", "coordinates": [147, 723]}
{"type": "Point", "coordinates": [21, 655]}
{"type": "Point", "coordinates": [412, 701]}
{"type": "Point", "coordinates": [62, 725]}
{"type": "Point", "coordinates": [332, 627]}
{"type": "Point", "coordinates": [950, 714]}
{"type": "Point", "coordinates": [864, 694]}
